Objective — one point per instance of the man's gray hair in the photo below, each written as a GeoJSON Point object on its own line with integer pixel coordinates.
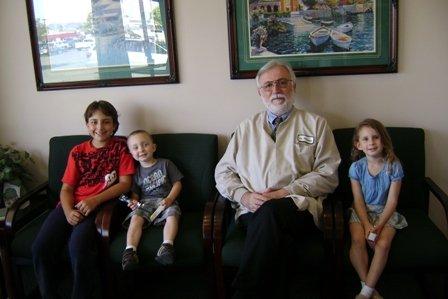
{"type": "Point", "coordinates": [272, 64]}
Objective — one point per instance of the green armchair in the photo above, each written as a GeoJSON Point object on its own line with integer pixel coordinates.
{"type": "Point", "coordinates": [23, 223]}
{"type": "Point", "coordinates": [314, 272]}
{"type": "Point", "coordinates": [196, 156]}
{"type": "Point", "coordinates": [417, 250]}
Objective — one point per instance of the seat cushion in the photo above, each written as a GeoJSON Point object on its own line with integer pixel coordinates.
{"type": "Point", "coordinates": [24, 238]}
{"type": "Point", "coordinates": [188, 243]}
{"type": "Point", "coordinates": [310, 250]}
{"type": "Point", "coordinates": [420, 246]}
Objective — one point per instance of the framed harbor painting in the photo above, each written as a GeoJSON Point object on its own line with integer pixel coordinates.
{"type": "Point", "coordinates": [101, 43]}
{"type": "Point", "coordinates": [317, 37]}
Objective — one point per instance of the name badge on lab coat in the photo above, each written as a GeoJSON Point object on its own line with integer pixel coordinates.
{"type": "Point", "coordinates": [306, 139]}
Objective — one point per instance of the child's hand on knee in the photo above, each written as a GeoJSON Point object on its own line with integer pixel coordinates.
{"type": "Point", "coordinates": [378, 229]}
{"type": "Point", "coordinates": [74, 217]}
{"type": "Point", "coordinates": [87, 206]}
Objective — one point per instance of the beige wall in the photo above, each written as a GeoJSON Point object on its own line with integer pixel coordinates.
{"type": "Point", "coordinates": [206, 100]}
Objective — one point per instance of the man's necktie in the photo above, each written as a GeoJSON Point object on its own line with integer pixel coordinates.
{"type": "Point", "coordinates": [276, 123]}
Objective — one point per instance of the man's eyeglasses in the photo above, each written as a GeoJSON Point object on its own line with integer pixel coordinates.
{"type": "Point", "coordinates": [281, 83]}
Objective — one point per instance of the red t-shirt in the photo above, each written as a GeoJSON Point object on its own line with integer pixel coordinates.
{"type": "Point", "coordinates": [92, 170]}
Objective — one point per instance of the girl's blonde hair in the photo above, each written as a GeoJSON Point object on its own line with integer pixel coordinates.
{"type": "Point", "coordinates": [388, 149]}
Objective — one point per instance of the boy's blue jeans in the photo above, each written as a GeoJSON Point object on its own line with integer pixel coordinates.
{"type": "Point", "coordinates": [48, 249]}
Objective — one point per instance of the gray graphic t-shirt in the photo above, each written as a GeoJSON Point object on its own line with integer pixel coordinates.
{"type": "Point", "coordinates": [156, 181]}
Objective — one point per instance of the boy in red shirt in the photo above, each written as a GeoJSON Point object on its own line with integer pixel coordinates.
{"type": "Point", "coordinates": [98, 170]}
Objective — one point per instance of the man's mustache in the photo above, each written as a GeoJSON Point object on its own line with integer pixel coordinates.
{"type": "Point", "coordinates": [276, 96]}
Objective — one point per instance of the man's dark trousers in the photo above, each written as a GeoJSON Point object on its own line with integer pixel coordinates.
{"type": "Point", "coordinates": [268, 257]}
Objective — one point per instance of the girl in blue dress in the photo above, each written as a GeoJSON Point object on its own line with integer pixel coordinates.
{"type": "Point", "coordinates": [375, 178]}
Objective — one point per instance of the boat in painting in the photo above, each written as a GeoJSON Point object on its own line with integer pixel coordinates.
{"type": "Point", "coordinates": [340, 39]}
{"type": "Point", "coordinates": [319, 36]}
{"type": "Point", "coordinates": [326, 22]}
{"type": "Point", "coordinates": [346, 27]}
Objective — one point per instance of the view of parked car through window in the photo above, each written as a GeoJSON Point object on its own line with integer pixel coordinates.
{"type": "Point", "coordinates": [121, 33]}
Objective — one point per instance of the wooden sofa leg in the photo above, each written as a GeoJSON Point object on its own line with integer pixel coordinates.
{"type": "Point", "coordinates": [7, 272]}
{"type": "Point", "coordinates": [220, 287]}
{"type": "Point", "coordinates": [219, 281]}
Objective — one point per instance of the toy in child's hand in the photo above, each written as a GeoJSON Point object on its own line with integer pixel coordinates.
{"type": "Point", "coordinates": [127, 199]}
{"type": "Point", "coordinates": [371, 239]}
{"type": "Point", "coordinates": [156, 213]}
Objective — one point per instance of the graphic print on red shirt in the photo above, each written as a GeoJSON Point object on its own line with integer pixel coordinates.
{"type": "Point", "coordinates": [91, 170]}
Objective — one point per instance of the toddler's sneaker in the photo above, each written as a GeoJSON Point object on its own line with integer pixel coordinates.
{"type": "Point", "coordinates": [129, 260]}
{"type": "Point", "coordinates": [165, 254]}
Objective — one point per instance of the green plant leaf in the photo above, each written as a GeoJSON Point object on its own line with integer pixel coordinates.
{"type": "Point", "coordinates": [12, 164]}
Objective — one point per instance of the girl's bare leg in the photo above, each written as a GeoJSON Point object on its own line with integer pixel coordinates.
{"type": "Point", "coordinates": [379, 260]}
{"type": "Point", "coordinates": [358, 250]}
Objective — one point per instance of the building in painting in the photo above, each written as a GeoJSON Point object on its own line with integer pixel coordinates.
{"type": "Point", "coordinates": [275, 6]}
{"type": "Point", "coordinates": [289, 5]}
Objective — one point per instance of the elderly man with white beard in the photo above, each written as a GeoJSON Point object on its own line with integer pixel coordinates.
{"type": "Point", "coordinates": [278, 167]}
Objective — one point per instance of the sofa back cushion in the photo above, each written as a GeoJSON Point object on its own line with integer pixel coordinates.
{"type": "Point", "coordinates": [60, 147]}
{"type": "Point", "coordinates": [195, 155]}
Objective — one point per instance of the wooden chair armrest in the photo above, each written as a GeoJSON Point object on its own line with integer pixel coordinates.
{"type": "Point", "coordinates": [207, 225]}
{"type": "Point", "coordinates": [333, 216]}
{"type": "Point", "coordinates": [337, 237]}
{"type": "Point", "coordinates": [327, 217]}
{"type": "Point", "coordinates": [219, 222]}
{"type": "Point", "coordinates": [35, 207]}
{"type": "Point", "coordinates": [338, 213]}
{"type": "Point", "coordinates": [441, 196]}
{"type": "Point", "coordinates": [219, 228]}
{"type": "Point", "coordinates": [328, 230]}
{"type": "Point", "coordinates": [103, 219]}
{"type": "Point", "coordinates": [104, 222]}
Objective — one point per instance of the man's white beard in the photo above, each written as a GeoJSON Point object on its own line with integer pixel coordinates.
{"type": "Point", "coordinates": [278, 109]}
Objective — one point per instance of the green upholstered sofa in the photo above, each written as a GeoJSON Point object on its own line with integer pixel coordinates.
{"type": "Point", "coordinates": [418, 249]}
{"type": "Point", "coordinates": [196, 156]}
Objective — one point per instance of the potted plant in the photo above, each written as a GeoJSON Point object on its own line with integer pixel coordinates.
{"type": "Point", "coordinates": [12, 173]}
